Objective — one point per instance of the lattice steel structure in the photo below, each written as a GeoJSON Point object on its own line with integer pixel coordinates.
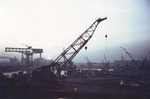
{"type": "Point", "coordinates": [68, 54]}
{"type": "Point", "coordinates": [27, 51]}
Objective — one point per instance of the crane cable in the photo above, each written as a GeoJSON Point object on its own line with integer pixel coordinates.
{"type": "Point", "coordinates": [106, 43]}
{"type": "Point", "coordinates": [106, 35]}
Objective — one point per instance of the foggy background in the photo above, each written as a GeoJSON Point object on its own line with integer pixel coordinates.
{"type": "Point", "coordinates": [54, 24]}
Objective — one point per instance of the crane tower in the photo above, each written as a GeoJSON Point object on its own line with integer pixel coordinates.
{"type": "Point", "coordinates": [29, 51]}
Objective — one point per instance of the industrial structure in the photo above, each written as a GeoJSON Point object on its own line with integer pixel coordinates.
{"type": "Point", "coordinates": [134, 63]}
{"type": "Point", "coordinates": [63, 79]}
{"type": "Point", "coordinates": [68, 54]}
{"type": "Point", "coordinates": [29, 51]}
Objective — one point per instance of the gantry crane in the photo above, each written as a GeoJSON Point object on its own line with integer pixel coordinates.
{"type": "Point", "coordinates": [129, 56]}
{"type": "Point", "coordinates": [29, 51]}
{"type": "Point", "coordinates": [69, 53]}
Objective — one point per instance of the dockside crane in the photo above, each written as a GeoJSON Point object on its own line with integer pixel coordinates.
{"type": "Point", "coordinates": [129, 56]}
{"type": "Point", "coordinates": [89, 63]}
{"type": "Point", "coordinates": [28, 51]}
{"type": "Point", "coordinates": [69, 53]}
{"type": "Point", "coordinates": [106, 68]}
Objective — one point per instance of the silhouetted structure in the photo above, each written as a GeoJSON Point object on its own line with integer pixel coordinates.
{"type": "Point", "coordinates": [27, 51]}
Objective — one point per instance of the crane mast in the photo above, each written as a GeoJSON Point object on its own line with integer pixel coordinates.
{"type": "Point", "coordinates": [69, 53]}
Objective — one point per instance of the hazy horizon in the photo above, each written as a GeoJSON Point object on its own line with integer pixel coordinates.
{"type": "Point", "coordinates": [53, 25]}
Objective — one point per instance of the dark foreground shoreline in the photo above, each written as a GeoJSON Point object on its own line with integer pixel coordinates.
{"type": "Point", "coordinates": [71, 91]}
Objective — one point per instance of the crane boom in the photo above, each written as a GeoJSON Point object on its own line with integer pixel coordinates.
{"type": "Point", "coordinates": [69, 53]}
{"type": "Point", "coordinates": [129, 55]}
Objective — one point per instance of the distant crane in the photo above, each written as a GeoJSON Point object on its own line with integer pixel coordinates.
{"type": "Point", "coordinates": [106, 68]}
{"type": "Point", "coordinates": [129, 56]}
{"type": "Point", "coordinates": [89, 63]}
{"type": "Point", "coordinates": [69, 53]}
{"type": "Point", "coordinates": [28, 46]}
{"type": "Point", "coordinates": [29, 51]}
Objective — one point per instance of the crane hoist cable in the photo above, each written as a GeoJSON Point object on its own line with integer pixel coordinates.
{"type": "Point", "coordinates": [106, 35]}
{"type": "Point", "coordinates": [70, 52]}
{"type": "Point", "coordinates": [106, 42]}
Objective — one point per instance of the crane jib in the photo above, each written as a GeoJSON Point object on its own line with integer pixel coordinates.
{"type": "Point", "coordinates": [69, 53]}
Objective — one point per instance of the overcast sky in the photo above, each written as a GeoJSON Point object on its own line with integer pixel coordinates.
{"type": "Point", "coordinates": [54, 24]}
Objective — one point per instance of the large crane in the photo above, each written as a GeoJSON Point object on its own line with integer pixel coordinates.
{"type": "Point", "coordinates": [69, 53]}
{"type": "Point", "coordinates": [29, 51]}
{"type": "Point", "coordinates": [129, 55]}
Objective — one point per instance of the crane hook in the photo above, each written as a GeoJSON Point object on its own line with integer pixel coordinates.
{"type": "Point", "coordinates": [106, 42]}
{"type": "Point", "coordinates": [85, 47]}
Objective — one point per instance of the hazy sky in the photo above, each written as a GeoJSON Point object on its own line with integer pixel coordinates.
{"type": "Point", "coordinates": [54, 24]}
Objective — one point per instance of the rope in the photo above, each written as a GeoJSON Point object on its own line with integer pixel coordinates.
{"type": "Point", "coordinates": [106, 35]}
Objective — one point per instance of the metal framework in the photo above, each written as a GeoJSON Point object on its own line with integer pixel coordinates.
{"type": "Point", "coordinates": [69, 53]}
{"type": "Point", "coordinates": [27, 51]}
{"type": "Point", "coordinates": [129, 55]}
